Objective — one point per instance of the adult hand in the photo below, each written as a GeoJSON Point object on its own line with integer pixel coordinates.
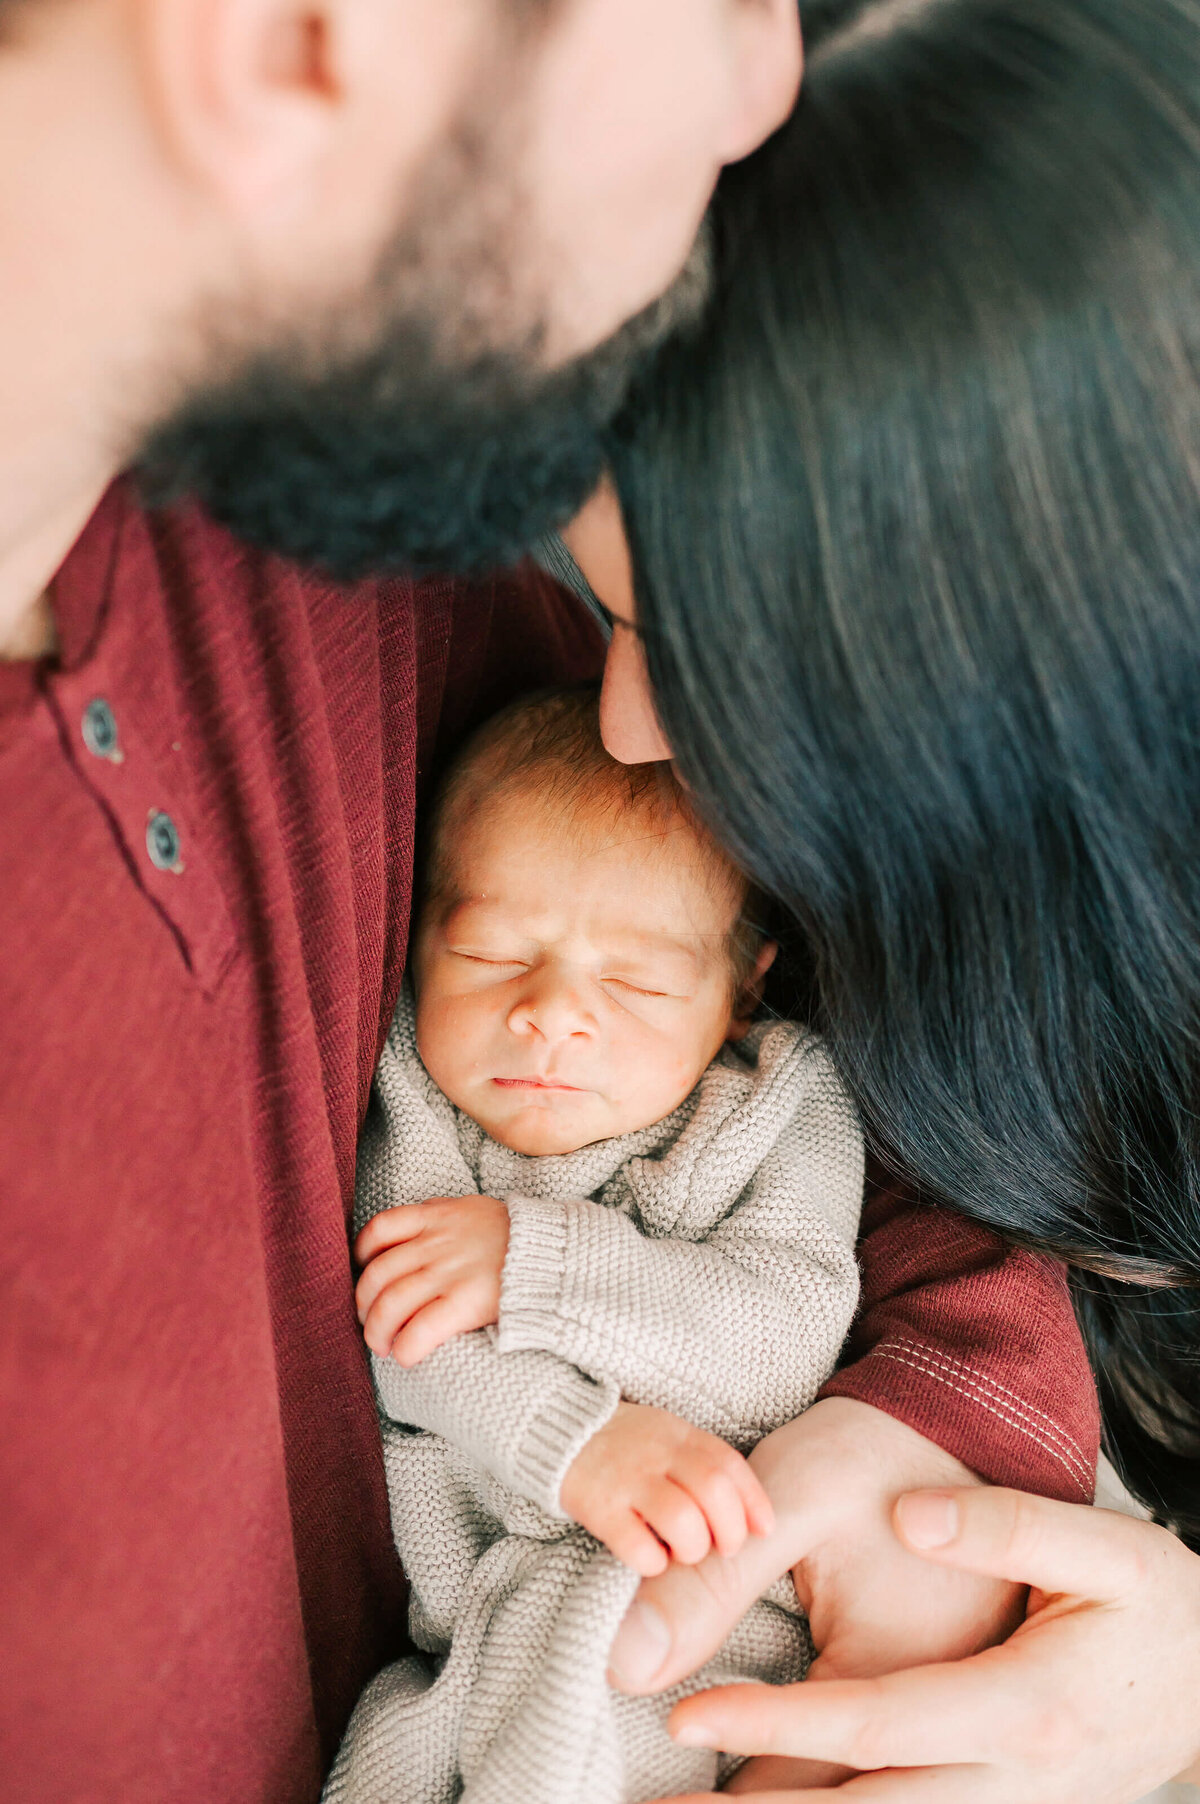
{"type": "Point", "coordinates": [1096, 1695]}
{"type": "Point", "coordinates": [833, 1476]}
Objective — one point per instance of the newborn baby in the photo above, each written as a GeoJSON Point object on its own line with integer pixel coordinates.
{"type": "Point", "coordinates": [608, 1230]}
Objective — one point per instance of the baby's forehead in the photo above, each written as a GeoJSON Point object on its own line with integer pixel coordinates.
{"type": "Point", "coordinates": [652, 834]}
{"type": "Point", "coordinates": [643, 866]}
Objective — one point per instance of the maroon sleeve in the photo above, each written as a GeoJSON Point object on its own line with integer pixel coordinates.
{"type": "Point", "coordinates": [975, 1345]}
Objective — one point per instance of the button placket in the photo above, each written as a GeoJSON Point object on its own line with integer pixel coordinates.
{"type": "Point", "coordinates": [113, 762]}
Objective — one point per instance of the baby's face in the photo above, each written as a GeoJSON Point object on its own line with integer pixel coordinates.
{"type": "Point", "coordinates": [575, 983]}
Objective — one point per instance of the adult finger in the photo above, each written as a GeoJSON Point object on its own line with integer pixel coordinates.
{"type": "Point", "coordinates": [920, 1785]}
{"type": "Point", "coordinates": [769, 1773]}
{"type": "Point", "coordinates": [1060, 1548]}
{"type": "Point", "coordinates": [760, 1511]}
{"type": "Point", "coordinates": [679, 1620]}
{"type": "Point", "coordinates": [925, 1716]}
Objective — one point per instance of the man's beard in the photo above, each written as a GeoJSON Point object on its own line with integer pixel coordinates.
{"type": "Point", "coordinates": [416, 431]}
{"type": "Point", "coordinates": [392, 462]}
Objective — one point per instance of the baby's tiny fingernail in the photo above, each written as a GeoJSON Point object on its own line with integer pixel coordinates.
{"type": "Point", "coordinates": [928, 1519]}
{"type": "Point", "coordinates": [642, 1644]}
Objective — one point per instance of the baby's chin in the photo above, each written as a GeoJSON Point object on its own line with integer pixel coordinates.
{"type": "Point", "coordinates": [541, 1135]}
{"type": "Point", "coordinates": [550, 1129]}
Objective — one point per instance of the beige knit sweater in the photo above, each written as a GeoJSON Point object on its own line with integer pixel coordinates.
{"type": "Point", "coordinates": [705, 1265]}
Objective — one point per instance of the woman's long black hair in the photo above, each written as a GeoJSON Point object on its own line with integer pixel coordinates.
{"type": "Point", "coordinates": [915, 517]}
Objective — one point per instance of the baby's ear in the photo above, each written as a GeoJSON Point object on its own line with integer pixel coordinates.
{"type": "Point", "coordinates": [746, 1002]}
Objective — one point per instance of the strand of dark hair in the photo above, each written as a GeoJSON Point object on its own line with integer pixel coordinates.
{"type": "Point", "coordinates": [915, 516]}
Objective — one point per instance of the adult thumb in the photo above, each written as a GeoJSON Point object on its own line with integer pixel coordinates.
{"type": "Point", "coordinates": [678, 1620]}
{"type": "Point", "coordinates": [1058, 1548]}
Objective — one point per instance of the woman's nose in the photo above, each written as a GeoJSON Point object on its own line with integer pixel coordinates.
{"type": "Point", "coordinates": [629, 722]}
{"type": "Point", "coordinates": [552, 1010]}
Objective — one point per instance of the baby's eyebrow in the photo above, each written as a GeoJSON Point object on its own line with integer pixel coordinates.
{"type": "Point", "coordinates": [656, 943]}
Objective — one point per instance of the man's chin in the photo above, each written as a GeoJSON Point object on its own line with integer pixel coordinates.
{"type": "Point", "coordinates": [395, 459]}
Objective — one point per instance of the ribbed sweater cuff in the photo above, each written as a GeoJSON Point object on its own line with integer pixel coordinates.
{"type": "Point", "coordinates": [532, 1280]}
{"type": "Point", "coordinates": [564, 1421]}
{"type": "Point", "coordinates": [530, 1287]}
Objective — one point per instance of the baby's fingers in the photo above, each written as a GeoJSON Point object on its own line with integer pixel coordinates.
{"type": "Point", "coordinates": [395, 1304]}
{"type": "Point", "coordinates": [432, 1326]}
{"type": "Point", "coordinates": [627, 1538]}
{"type": "Point", "coordinates": [388, 1229]}
{"type": "Point", "coordinates": [716, 1494]}
{"type": "Point", "coordinates": [387, 1268]}
{"type": "Point", "coordinates": [727, 1490]}
{"type": "Point", "coordinates": [677, 1520]}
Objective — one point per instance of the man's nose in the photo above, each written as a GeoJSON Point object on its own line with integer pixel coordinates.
{"type": "Point", "coordinates": [552, 1008]}
{"type": "Point", "coordinates": [764, 69]}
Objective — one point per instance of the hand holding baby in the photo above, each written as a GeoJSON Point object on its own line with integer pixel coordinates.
{"type": "Point", "coordinates": [432, 1270]}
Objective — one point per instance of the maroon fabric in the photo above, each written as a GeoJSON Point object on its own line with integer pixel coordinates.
{"type": "Point", "coordinates": [974, 1345]}
{"type": "Point", "coordinates": [196, 1570]}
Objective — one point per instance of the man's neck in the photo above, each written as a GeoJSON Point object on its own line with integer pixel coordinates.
{"type": "Point", "coordinates": [31, 550]}
{"type": "Point", "coordinates": [82, 309]}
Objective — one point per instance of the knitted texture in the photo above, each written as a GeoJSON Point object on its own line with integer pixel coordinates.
{"type": "Point", "coordinates": [704, 1265]}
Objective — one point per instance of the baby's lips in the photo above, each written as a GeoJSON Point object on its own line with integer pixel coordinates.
{"type": "Point", "coordinates": [557, 1085]}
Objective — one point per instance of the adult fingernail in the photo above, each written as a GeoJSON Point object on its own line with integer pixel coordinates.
{"type": "Point", "coordinates": [642, 1643]}
{"type": "Point", "coordinates": [928, 1519]}
{"type": "Point", "coordinates": [691, 1733]}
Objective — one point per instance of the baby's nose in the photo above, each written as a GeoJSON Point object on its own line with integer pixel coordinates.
{"type": "Point", "coordinates": [554, 1009]}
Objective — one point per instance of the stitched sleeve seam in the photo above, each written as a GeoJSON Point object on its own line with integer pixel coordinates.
{"type": "Point", "coordinates": [1070, 1465]}
{"type": "Point", "coordinates": [973, 1374]}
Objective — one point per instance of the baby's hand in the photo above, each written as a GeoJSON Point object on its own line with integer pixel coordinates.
{"type": "Point", "coordinates": [432, 1270]}
{"type": "Point", "coordinates": [653, 1488]}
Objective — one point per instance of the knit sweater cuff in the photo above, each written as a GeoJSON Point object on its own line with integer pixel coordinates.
{"type": "Point", "coordinates": [532, 1280]}
{"type": "Point", "coordinates": [530, 1287]}
{"type": "Point", "coordinates": [563, 1422]}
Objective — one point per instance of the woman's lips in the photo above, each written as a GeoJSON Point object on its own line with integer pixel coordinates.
{"type": "Point", "coordinates": [536, 1083]}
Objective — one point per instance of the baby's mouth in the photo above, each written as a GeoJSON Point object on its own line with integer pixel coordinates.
{"type": "Point", "coordinates": [550, 1084]}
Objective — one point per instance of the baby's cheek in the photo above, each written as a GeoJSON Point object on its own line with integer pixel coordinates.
{"type": "Point", "coordinates": [449, 1042]}
{"type": "Point", "coordinates": [668, 1067]}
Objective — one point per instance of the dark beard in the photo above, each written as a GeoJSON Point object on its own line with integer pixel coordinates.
{"type": "Point", "coordinates": [413, 427]}
{"type": "Point", "coordinates": [396, 458]}
{"type": "Point", "coordinates": [390, 462]}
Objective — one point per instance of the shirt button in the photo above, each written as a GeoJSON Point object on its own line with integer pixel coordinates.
{"type": "Point", "coordinates": [100, 731]}
{"type": "Point", "coordinates": [163, 842]}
